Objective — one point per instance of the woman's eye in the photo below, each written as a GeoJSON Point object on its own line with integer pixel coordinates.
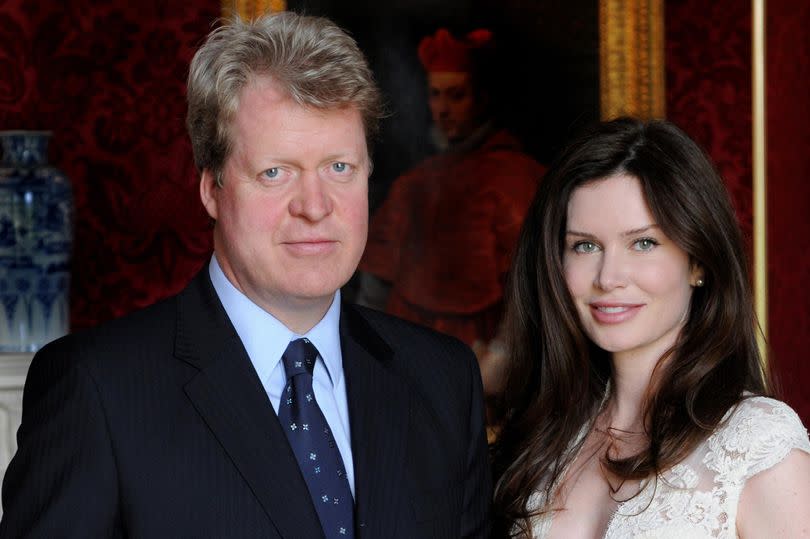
{"type": "Point", "coordinates": [585, 247]}
{"type": "Point", "coordinates": [271, 173]}
{"type": "Point", "coordinates": [645, 244]}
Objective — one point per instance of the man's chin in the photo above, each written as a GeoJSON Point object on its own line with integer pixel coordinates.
{"type": "Point", "coordinates": [450, 134]}
{"type": "Point", "coordinates": [314, 293]}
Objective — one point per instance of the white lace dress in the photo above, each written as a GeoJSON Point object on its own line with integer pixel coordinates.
{"type": "Point", "coordinates": [698, 497]}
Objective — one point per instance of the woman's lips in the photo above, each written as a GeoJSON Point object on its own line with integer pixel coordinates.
{"type": "Point", "coordinates": [614, 313]}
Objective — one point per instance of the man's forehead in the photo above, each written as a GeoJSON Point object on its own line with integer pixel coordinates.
{"type": "Point", "coordinates": [448, 79]}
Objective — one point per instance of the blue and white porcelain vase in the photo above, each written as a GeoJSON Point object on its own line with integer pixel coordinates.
{"type": "Point", "coordinates": [36, 213]}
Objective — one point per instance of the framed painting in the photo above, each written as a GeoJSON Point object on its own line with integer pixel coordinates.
{"type": "Point", "coordinates": [559, 65]}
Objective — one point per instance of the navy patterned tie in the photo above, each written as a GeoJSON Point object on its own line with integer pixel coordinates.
{"type": "Point", "coordinates": [313, 444]}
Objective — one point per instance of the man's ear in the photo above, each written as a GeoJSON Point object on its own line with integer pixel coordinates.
{"type": "Point", "coordinates": [209, 191]}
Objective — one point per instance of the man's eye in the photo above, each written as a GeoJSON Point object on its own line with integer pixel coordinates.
{"type": "Point", "coordinates": [340, 167]}
{"type": "Point", "coordinates": [458, 95]}
{"type": "Point", "coordinates": [271, 173]}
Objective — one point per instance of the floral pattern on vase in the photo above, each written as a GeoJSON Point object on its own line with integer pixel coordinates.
{"type": "Point", "coordinates": [36, 212]}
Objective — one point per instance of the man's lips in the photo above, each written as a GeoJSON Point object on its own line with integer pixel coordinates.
{"type": "Point", "coordinates": [614, 313]}
{"type": "Point", "coordinates": [310, 246]}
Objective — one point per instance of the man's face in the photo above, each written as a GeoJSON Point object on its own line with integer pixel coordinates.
{"type": "Point", "coordinates": [453, 104]}
{"type": "Point", "coordinates": [292, 214]}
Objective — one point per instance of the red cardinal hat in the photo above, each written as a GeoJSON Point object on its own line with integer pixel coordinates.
{"type": "Point", "coordinates": [443, 52]}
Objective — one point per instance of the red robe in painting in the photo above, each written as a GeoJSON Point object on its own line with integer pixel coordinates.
{"type": "Point", "coordinates": [445, 234]}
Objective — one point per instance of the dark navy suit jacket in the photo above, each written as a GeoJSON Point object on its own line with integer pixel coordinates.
{"type": "Point", "coordinates": [156, 425]}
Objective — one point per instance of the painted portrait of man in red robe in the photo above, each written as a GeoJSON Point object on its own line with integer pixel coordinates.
{"type": "Point", "coordinates": [440, 245]}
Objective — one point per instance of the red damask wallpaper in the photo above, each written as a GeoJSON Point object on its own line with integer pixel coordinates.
{"type": "Point", "coordinates": [108, 78]}
{"type": "Point", "coordinates": [708, 70]}
{"type": "Point", "coordinates": [788, 167]}
{"type": "Point", "coordinates": [708, 77]}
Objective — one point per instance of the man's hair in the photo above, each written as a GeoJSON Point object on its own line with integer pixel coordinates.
{"type": "Point", "coordinates": [312, 60]}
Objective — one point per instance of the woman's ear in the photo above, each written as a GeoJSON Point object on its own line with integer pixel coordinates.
{"type": "Point", "coordinates": [697, 275]}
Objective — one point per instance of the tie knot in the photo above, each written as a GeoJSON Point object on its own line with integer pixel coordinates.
{"type": "Point", "coordinates": [299, 357]}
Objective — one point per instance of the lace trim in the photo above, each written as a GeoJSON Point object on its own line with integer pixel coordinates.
{"type": "Point", "coordinates": [698, 497]}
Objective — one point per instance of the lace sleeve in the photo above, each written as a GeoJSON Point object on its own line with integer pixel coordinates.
{"type": "Point", "coordinates": [760, 434]}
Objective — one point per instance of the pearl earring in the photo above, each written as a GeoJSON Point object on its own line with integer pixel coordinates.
{"type": "Point", "coordinates": [699, 282]}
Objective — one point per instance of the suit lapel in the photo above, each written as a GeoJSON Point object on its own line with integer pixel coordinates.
{"type": "Point", "coordinates": [378, 412]}
{"type": "Point", "coordinates": [231, 400]}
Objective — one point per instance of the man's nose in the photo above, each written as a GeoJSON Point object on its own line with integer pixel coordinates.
{"type": "Point", "coordinates": [311, 200]}
{"type": "Point", "coordinates": [441, 105]}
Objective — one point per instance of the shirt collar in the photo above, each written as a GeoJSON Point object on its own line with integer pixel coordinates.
{"type": "Point", "coordinates": [265, 337]}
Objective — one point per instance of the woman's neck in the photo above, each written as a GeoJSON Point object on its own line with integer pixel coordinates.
{"type": "Point", "coordinates": [631, 379]}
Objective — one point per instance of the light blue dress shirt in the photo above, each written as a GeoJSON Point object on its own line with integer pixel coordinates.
{"type": "Point", "coordinates": [265, 338]}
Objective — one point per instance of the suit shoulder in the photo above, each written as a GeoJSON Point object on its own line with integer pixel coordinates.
{"type": "Point", "coordinates": [420, 347]}
{"type": "Point", "coordinates": [136, 328]}
{"type": "Point", "coordinates": [135, 343]}
{"type": "Point", "coordinates": [133, 334]}
{"type": "Point", "coordinates": [398, 328]}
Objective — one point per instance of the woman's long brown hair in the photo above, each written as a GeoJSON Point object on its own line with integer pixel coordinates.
{"type": "Point", "coordinates": [558, 377]}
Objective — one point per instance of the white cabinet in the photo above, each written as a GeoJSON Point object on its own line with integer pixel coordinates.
{"type": "Point", "coordinates": [13, 368]}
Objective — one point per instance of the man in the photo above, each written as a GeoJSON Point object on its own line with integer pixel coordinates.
{"type": "Point", "coordinates": [443, 238]}
{"type": "Point", "coordinates": [254, 404]}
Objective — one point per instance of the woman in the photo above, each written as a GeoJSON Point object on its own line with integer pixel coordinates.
{"type": "Point", "coordinates": [636, 402]}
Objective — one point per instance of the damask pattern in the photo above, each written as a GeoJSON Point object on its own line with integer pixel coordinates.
{"type": "Point", "coordinates": [708, 79]}
{"type": "Point", "coordinates": [708, 59]}
{"type": "Point", "coordinates": [788, 169]}
{"type": "Point", "coordinates": [109, 80]}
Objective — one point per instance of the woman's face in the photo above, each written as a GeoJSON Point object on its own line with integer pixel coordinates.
{"type": "Point", "coordinates": [631, 284]}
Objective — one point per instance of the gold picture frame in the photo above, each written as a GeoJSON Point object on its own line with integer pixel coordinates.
{"type": "Point", "coordinates": [249, 9]}
{"type": "Point", "coordinates": [632, 82]}
{"type": "Point", "coordinates": [631, 59]}
{"type": "Point", "coordinates": [759, 176]}
{"type": "Point", "coordinates": [631, 53]}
